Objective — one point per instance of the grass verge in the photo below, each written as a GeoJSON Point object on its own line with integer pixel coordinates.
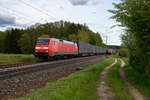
{"type": "Point", "coordinates": [16, 58]}
{"type": "Point", "coordinates": [140, 81]}
{"type": "Point", "coordinates": [117, 85]}
{"type": "Point", "coordinates": [81, 85]}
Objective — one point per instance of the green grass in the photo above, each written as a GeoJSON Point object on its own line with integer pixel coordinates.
{"type": "Point", "coordinates": [140, 81]}
{"type": "Point", "coordinates": [117, 85]}
{"type": "Point", "coordinates": [16, 58]}
{"type": "Point", "coordinates": [81, 85]}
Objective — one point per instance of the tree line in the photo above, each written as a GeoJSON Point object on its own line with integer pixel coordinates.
{"type": "Point", "coordinates": [134, 15]}
{"type": "Point", "coordinates": [20, 41]}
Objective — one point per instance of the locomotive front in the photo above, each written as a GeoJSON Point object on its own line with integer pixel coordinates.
{"type": "Point", "coordinates": [42, 48]}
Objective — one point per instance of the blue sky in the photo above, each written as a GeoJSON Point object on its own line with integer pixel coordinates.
{"type": "Point", "coordinates": [23, 13]}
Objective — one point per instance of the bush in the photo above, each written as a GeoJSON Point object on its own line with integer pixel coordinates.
{"type": "Point", "coordinates": [123, 52]}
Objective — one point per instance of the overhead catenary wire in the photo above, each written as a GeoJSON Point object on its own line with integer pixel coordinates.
{"type": "Point", "coordinates": [14, 13]}
{"type": "Point", "coordinates": [20, 13]}
{"type": "Point", "coordinates": [39, 10]}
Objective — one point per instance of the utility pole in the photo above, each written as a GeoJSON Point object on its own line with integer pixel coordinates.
{"type": "Point", "coordinates": [106, 39]}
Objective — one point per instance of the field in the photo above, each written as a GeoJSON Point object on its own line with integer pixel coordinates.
{"type": "Point", "coordinates": [16, 58]}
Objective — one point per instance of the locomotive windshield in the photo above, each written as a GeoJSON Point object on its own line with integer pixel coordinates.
{"type": "Point", "coordinates": [42, 41]}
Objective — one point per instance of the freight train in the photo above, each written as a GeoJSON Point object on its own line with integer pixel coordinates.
{"type": "Point", "coordinates": [49, 48]}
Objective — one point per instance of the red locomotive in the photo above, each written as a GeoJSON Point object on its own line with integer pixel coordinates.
{"type": "Point", "coordinates": [109, 51]}
{"type": "Point", "coordinates": [52, 47]}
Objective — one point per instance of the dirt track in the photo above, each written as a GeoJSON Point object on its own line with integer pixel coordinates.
{"type": "Point", "coordinates": [104, 91]}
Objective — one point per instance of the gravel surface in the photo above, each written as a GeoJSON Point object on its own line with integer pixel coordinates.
{"type": "Point", "coordinates": [19, 85]}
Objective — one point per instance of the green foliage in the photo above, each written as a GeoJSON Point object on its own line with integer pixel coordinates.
{"type": "Point", "coordinates": [44, 36]}
{"type": "Point", "coordinates": [73, 37]}
{"type": "Point", "coordinates": [11, 41]}
{"type": "Point", "coordinates": [135, 16]}
{"type": "Point", "coordinates": [123, 52]}
{"type": "Point", "coordinates": [27, 43]}
{"type": "Point", "coordinates": [83, 36]}
{"type": "Point", "coordinates": [140, 81]}
{"type": "Point", "coordinates": [95, 39]}
{"type": "Point", "coordinates": [2, 41]}
{"type": "Point", "coordinates": [81, 85]}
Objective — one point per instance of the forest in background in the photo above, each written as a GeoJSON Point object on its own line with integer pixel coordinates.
{"type": "Point", "coordinates": [22, 41]}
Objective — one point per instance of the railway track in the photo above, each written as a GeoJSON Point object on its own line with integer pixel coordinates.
{"type": "Point", "coordinates": [8, 73]}
{"type": "Point", "coordinates": [17, 78]}
{"type": "Point", "coordinates": [7, 66]}
{"type": "Point", "coordinates": [18, 65]}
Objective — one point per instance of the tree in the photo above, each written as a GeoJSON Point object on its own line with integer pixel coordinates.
{"type": "Point", "coordinates": [2, 41]}
{"type": "Point", "coordinates": [93, 39]}
{"type": "Point", "coordinates": [83, 36]}
{"type": "Point", "coordinates": [135, 16]}
{"type": "Point", "coordinates": [73, 37]}
{"type": "Point", "coordinates": [11, 41]}
{"type": "Point", "coordinates": [27, 43]}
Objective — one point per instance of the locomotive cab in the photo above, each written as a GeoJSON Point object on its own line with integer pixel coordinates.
{"type": "Point", "coordinates": [42, 48]}
{"type": "Point", "coordinates": [109, 51]}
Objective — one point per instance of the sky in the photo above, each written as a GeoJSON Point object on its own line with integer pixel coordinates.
{"type": "Point", "coordinates": [93, 13]}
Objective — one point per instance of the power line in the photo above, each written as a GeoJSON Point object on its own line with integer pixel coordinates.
{"type": "Point", "coordinates": [38, 9]}
{"type": "Point", "coordinates": [13, 12]}
{"type": "Point", "coordinates": [61, 18]}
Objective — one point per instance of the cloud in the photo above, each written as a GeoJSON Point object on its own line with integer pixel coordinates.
{"type": "Point", "coordinates": [93, 12]}
{"type": "Point", "coordinates": [95, 2]}
{"type": "Point", "coordinates": [9, 20]}
{"type": "Point", "coordinates": [79, 2]}
{"type": "Point", "coordinates": [84, 2]}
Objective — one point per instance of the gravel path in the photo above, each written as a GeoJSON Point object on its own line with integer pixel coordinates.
{"type": "Point", "coordinates": [134, 92]}
{"type": "Point", "coordinates": [104, 91]}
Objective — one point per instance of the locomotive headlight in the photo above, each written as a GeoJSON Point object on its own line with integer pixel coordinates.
{"type": "Point", "coordinates": [37, 48]}
{"type": "Point", "coordinates": [45, 48]}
